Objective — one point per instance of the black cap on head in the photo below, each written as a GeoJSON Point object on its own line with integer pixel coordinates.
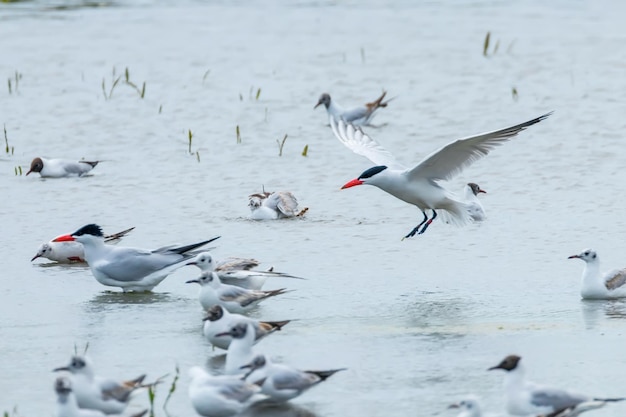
{"type": "Point", "coordinates": [508, 364]}
{"type": "Point", "coordinates": [90, 229]}
{"type": "Point", "coordinates": [368, 173]}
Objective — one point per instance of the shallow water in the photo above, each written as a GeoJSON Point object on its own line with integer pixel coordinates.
{"type": "Point", "coordinates": [415, 322]}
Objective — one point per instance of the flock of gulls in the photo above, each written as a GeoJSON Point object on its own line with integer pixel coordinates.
{"type": "Point", "coordinates": [229, 289]}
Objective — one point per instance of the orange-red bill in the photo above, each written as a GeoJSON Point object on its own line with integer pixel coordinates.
{"type": "Point", "coordinates": [64, 238]}
{"type": "Point", "coordinates": [352, 183]}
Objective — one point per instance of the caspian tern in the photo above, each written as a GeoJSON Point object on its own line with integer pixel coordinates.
{"type": "Point", "coordinates": [96, 393]}
{"type": "Point", "coordinates": [358, 116]}
{"type": "Point", "coordinates": [71, 251]}
{"type": "Point", "coordinates": [232, 298]}
{"type": "Point", "coordinates": [419, 185]}
{"type": "Point", "coordinates": [276, 205]}
{"type": "Point", "coordinates": [129, 268]}
{"type": "Point", "coordinates": [219, 320]}
{"type": "Point", "coordinates": [525, 398]}
{"type": "Point", "coordinates": [596, 285]}
{"type": "Point", "coordinates": [220, 396]}
{"type": "Point", "coordinates": [58, 168]}
{"type": "Point", "coordinates": [67, 406]}
{"type": "Point", "coordinates": [281, 382]}
{"type": "Point", "coordinates": [236, 271]}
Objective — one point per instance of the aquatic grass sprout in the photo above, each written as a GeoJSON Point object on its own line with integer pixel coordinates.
{"type": "Point", "coordinates": [127, 81]}
{"type": "Point", "coordinates": [280, 145]}
{"type": "Point", "coordinates": [9, 150]}
{"type": "Point", "coordinates": [305, 151]}
{"type": "Point", "coordinates": [196, 153]}
{"type": "Point", "coordinates": [18, 77]}
{"type": "Point", "coordinates": [238, 134]}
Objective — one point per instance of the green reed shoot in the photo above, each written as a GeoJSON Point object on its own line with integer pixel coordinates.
{"type": "Point", "coordinates": [280, 145]}
{"type": "Point", "coordinates": [486, 44]}
{"type": "Point", "coordinates": [305, 151]}
{"type": "Point", "coordinates": [7, 149]}
{"type": "Point", "coordinates": [190, 139]}
{"type": "Point", "coordinates": [258, 94]}
{"type": "Point", "coordinates": [362, 55]}
{"type": "Point", "coordinates": [206, 74]}
{"type": "Point", "coordinates": [151, 395]}
{"type": "Point", "coordinates": [172, 389]}
{"type": "Point", "coordinates": [238, 134]}
{"type": "Point", "coordinates": [514, 94]}
{"type": "Point", "coordinates": [160, 108]}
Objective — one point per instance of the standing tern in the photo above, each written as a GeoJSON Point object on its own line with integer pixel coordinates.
{"type": "Point", "coordinates": [526, 398]}
{"type": "Point", "coordinates": [219, 320]}
{"type": "Point", "coordinates": [59, 168]}
{"type": "Point", "coordinates": [96, 393]}
{"type": "Point", "coordinates": [358, 116]}
{"type": "Point", "coordinates": [281, 382]}
{"type": "Point", "coordinates": [596, 285]}
{"type": "Point", "coordinates": [236, 271]}
{"type": "Point", "coordinates": [67, 406]}
{"type": "Point", "coordinates": [129, 268]}
{"type": "Point", "coordinates": [273, 206]}
{"type": "Point", "coordinates": [240, 351]}
{"type": "Point", "coordinates": [232, 298]}
{"type": "Point", "coordinates": [220, 396]}
{"type": "Point", "coordinates": [420, 185]}
{"type": "Point", "coordinates": [71, 251]}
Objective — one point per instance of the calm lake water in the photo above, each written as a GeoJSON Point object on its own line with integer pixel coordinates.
{"type": "Point", "coordinates": [416, 322]}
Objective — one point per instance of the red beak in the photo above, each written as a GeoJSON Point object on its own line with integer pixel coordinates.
{"type": "Point", "coordinates": [352, 183]}
{"type": "Point", "coordinates": [64, 238]}
{"type": "Point", "coordinates": [573, 256]}
{"type": "Point", "coordinates": [482, 191]}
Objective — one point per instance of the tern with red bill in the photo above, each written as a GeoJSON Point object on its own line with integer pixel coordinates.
{"type": "Point", "coordinates": [358, 116]}
{"type": "Point", "coordinates": [129, 268]}
{"type": "Point", "coordinates": [596, 285]}
{"type": "Point", "coordinates": [59, 168]}
{"type": "Point", "coordinates": [420, 185]}
{"type": "Point", "coordinates": [71, 251]}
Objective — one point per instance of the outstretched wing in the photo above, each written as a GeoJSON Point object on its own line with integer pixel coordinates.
{"type": "Point", "coordinates": [360, 143]}
{"type": "Point", "coordinates": [615, 279]}
{"type": "Point", "coordinates": [286, 203]}
{"type": "Point", "coordinates": [453, 158]}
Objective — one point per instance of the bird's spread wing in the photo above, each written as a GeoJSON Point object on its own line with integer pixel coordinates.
{"type": "Point", "coordinates": [615, 279]}
{"type": "Point", "coordinates": [128, 264]}
{"type": "Point", "coordinates": [285, 202]}
{"type": "Point", "coordinates": [358, 142]}
{"type": "Point", "coordinates": [555, 398]}
{"type": "Point", "coordinates": [453, 158]}
{"type": "Point", "coordinates": [293, 379]}
{"type": "Point", "coordinates": [236, 264]}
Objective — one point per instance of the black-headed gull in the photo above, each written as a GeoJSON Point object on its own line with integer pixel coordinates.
{"type": "Point", "coordinates": [234, 299]}
{"type": "Point", "coordinates": [67, 406]}
{"type": "Point", "coordinates": [275, 205]}
{"type": "Point", "coordinates": [600, 286]}
{"type": "Point", "coordinates": [96, 393]}
{"type": "Point", "coordinates": [220, 396]}
{"type": "Point", "coordinates": [239, 352]}
{"type": "Point", "coordinates": [358, 116]}
{"type": "Point", "coordinates": [219, 320]}
{"type": "Point", "coordinates": [525, 398]}
{"type": "Point", "coordinates": [58, 168]}
{"type": "Point", "coordinates": [236, 271]}
{"type": "Point", "coordinates": [420, 185]}
{"type": "Point", "coordinates": [71, 251]}
{"type": "Point", "coordinates": [281, 382]}
{"type": "Point", "coordinates": [129, 268]}
{"type": "Point", "coordinates": [474, 206]}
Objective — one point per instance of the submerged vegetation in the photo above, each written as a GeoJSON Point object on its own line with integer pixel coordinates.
{"type": "Point", "coordinates": [115, 81]}
{"type": "Point", "coordinates": [14, 87]}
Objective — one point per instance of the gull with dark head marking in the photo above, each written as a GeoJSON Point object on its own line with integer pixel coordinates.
{"type": "Point", "coordinates": [59, 168]}
{"type": "Point", "coordinates": [281, 382]}
{"type": "Point", "coordinates": [420, 185]}
{"type": "Point", "coordinates": [219, 321]}
{"type": "Point", "coordinates": [358, 116]}
{"type": "Point", "coordinates": [275, 205]}
{"type": "Point", "coordinates": [525, 398]}
{"type": "Point", "coordinates": [65, 252]}
{"type": "Point", "coordinates": [220, 396]}
{"type": "Point", "coordinates": [236, 271]}
{"type": "Point", "coordinates": [67, 406]}
{"type": "Point", "coordinates": [474, 206]}
{"type": "Point", "coordinates": [600, 286]}
{"type": "Point", "coordinates": [232, 298]}
{"type": "Point", "coordinates": [240, 351]}
{"type": "Point", "coordinates": [129, 268]}
{"type": "Point", "coordinates": [96, 393]}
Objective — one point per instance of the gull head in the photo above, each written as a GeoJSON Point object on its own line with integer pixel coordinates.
{"type": "Point", "coordinates": [324, 99]}
{"type": "Point", "coordinates": [77, 365]}
{"type": "Point", "coordinates": [371, 176]}
{"type": "Point", "coordinates": [238, 331]}
{"type": "Point", "coordinates": [63, 387]}
{"type": "Point", "coordinates": [255, 202]}
{"type": "Point", "coordinates": [42, 251]}
{"type": "Point", "coordinates": [35, 166]}
{"type": "Point", "coordinates": [587, 255]}
{"type": "Point", "coordinates": [206, 278]}
{"type": "Point", "coordinates": [204, 261]}
{"type": "Point", "coordinates": [475, 188]}
{"type": "Point", "coordinates": [508, 364]}
{"type": "Point", "coordinates": [259, 361]}
{"type": "Point", "coordinates": [214, 313]}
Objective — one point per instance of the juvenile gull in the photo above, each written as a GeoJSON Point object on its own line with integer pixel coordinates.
{"type": "Point", "coordinates": [273, 206]}
{"type": "Point", "coordinates": [358, 116]}
{"type": "Point", "coordinates": [600, 286]}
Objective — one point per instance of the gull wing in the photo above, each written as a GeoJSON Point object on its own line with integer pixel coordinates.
{"type": "Point", "coordinates": [238, 390]}
{"type": "Point", "coordinates": [615, 279]}
{"type": "Point", "coordinates": [294, 379]}
{"type": "Point", "coordinates": [242, 296]}
{"type": "Point", "coordinates": [555, 398]}
{"type": "Point", "coordinates": [453, 158]}
{"type": "Point", "coordinates": [286, 202]}
{"type": "Point", "coordinates": [356, 115]}
{"type": "Point", "coordinates": [236, 264]}
{"type": "Point", "coordinates": [129, 264]}
{"type": "Point", "coordinates": [360, 143]}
